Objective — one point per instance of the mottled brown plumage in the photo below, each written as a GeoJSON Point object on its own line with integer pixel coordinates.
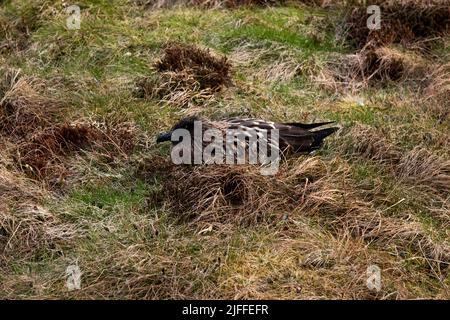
{"type": "Point", "coordinates": [294, 137]}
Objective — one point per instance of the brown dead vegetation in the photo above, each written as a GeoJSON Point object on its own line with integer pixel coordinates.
{"type": "Point", "coordinates": [186, 72]}
{"type": "Point", "coordinates": [437, 93]}
{"type": "Point", "coordinates": [37, 143]}
{"type": "Point", "coordinates": [402, 22]}
{"type": "Point", "coordinates": [370, 143]}
{"type": "Point", "coordinates": [306, 187]}
{"type": "Point", "coordinates": [44, 155]}
{"type": "Point", "coordinates": [26, 228]}
{"type": "Point", "coordinates": [418, 167]}
{"type": "Point", "coordinates": [337, 204]}
{"type": "Point", "coordinates": [218, 193]}
{"type": "Point", "coordinates": [374, 67]}
{"type": "Point", "coordinates": [387, 64]}
{"type": "Point", "coordinates": [225, 193]}
{"type": "Point", "coordinates": [230, 4]}
{"type": "Point", "coordinates": [22, 108]}
{"type": "Point", "coordinates": [310, 263]}
{"type": "Point", "coordinates": [424, 169]}
{"type": "Point", "coordinates": [17, 25]}
{"type": "Point", "coordinates": [13, 34]}
{"type": "Point", "coordinates": [179, 89]}
{"type": "Point", "coordinates": [382, 56]}
{"type": "Point", "coordinates": [208, 70]}
{"type": "Point", "coordinates": [403, 235]}
{"type": "Point", "coordinates": [36, 138]}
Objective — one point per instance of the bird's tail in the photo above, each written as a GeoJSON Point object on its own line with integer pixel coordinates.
{"type": "Point", "coordinates": [319, 135]}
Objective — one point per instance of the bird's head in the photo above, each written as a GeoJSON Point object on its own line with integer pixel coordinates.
{"type": "Point", "coordinates": [185, 123]}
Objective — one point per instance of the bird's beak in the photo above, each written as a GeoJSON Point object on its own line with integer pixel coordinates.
{"type": "Point", "coordinates": [163, 137]}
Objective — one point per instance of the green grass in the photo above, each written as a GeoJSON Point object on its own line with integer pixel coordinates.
{"type": "Point", "coordinates": [105, 197]}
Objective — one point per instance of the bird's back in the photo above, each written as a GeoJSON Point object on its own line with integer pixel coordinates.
{"type": "Point", "coordinates": [294, 137]}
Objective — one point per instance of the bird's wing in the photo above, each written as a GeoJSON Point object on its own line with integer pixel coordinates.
{"type": "Point", "coordinates": [308, 125]}
{"type": "Point", "coordinates": [292, 136]}
{"type": "Point", "coordinates": [305, 141]}
{"type": "Point", "coordinates": [236, 123]}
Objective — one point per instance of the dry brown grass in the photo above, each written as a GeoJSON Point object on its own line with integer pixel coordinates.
{"type": "Point", "coordinates": [23, 108]}
{"type": "Point", "coordinates": [419, 166]}
{"type": "Point", "coordinates": [157, 4]}
{"type": "Point", "coordinates": [383, 57]}
{"type": "Point", "coordinates": [208, 70]}
{"type": "Point", "coordinates": [310, 263]}
{"type": "Point", "coordinates": [442, 215]}
{"type": "Point", "coordinates": [186, 73]}
{"type": "Point", "coordinates": [402, 235]}
{"type": "Point", "coordinates": [427, 170]}
{"type": "Point", "coordinates": [44, 155]}
{"type": "Point", "coordinates": [26, 226]}
{"type": "Point", "coordinates": [37, 143]}
{"type": "Point", "coordinates": [402, 22]}
{"type": "Point", "coordinates": [304, 187]}
{"type": "Point", "coordinates": [341, 208]}
{"type": "Point", "coordinates": [176, 88]}
{"type": "Point", "coordinates": [15, 30]}
{"type": "Point", "coordinates": [238, 194]}
{"type": "Point", "coordinates": [437, 94]}
{"type": "Point", "coordinates": [147, 276]}
{"type": "Point", "coordinates": [387, 64]}
{"type": "Point", "coordinates": [284, 70]}
{"type": "Point", "coordinates": [36, 137]}
{"type": "Point", "coordinates": [221, 193]}
{"type": "Point", "coordinates": [370, 143]}
{"type": "Point", "coordinates": [373, 67]}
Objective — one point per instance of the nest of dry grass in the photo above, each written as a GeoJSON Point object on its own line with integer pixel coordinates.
{"type": "Point", "coordinates": [402, 22]}
{"type": "Point", "coordinates": [232, 193]}
{"type": "Point", "coordinates": [220, 193]}
{"type": "Point", "coordinates": [241, 194]}
{"type": "Point", "coordinates": [216, 195]}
